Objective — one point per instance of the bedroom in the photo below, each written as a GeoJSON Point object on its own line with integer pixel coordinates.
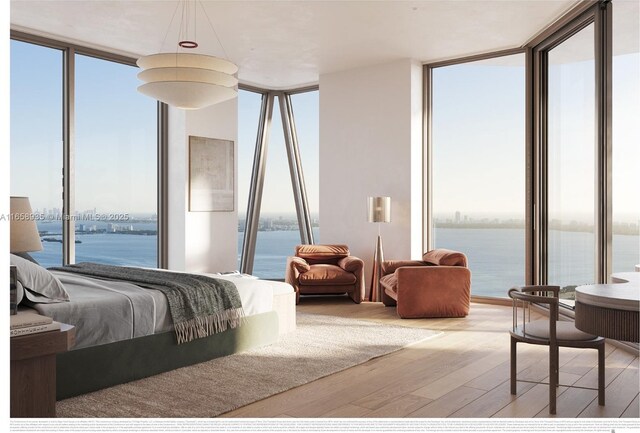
{"type": "Point", "coordinates": [360, 70]}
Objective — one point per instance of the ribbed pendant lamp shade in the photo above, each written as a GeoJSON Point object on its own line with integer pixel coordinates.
{"type": "Point", "coordinates": [187, 81]}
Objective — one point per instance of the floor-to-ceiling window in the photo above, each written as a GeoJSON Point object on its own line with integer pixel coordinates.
{"type": "Point", "coordinates": [581, 167]}
{"type": "Point", "coordinates": [36, 140]}
{"type": "Point", "coordinates": [306, 106]}
{"type": "Point", "coordinates": [79, 118]}
{"type": "Point", "coordinates": [115, 166]}
{"type": "Point", "coordinates": [478, 158]}
{"type": "Point", "coordinates": [571, 162]}
{"type": "Point", "coordinates": [626, 136]}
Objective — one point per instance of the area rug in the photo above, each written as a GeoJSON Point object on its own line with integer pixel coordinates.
{"type": "Point", "coordinates": [320, 346]}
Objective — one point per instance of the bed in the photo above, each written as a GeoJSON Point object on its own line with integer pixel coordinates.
{"type": "Point", "coordinates": [124, 332]}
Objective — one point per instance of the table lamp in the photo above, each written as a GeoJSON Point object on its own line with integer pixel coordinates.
{"type": "Point", "coordinates": [379, 212]}
{"type": "Point", "coordinates": [24, 236]}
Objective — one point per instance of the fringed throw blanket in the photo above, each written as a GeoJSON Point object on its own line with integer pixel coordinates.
{"type": "Point", "coordinates": [199, 305]}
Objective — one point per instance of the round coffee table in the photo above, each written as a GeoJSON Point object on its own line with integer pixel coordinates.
{"type": "Point", "coordinates": [610, 310]}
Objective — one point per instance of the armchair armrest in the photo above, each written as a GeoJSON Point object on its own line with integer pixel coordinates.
{"type": "Point", "coordinates": [295, 267]}
{"type": "Point", "coordinates": [444, 257]}
{"type": "Point", "coordinates": [433, 291]}
{"type": "Point", "coordinates": [298, 263]}
{"type": "Point", "coordinates": [390, 266]}
{"type": "Point", "coordinates": [351, 264]}
{"type": "Point", "coordinates": [356, 267]}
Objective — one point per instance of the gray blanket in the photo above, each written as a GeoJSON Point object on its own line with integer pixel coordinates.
{"type": "Point", "coordinates": [199, 305]}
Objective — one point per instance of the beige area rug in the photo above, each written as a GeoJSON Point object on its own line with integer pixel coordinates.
{"type": "Point", "coordinates": [321, 345]}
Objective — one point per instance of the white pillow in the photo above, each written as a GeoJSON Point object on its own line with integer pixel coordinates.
{"type": "Point", "coordinates": [40, 286]}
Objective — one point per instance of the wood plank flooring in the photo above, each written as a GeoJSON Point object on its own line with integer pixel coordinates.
{"type": "Point", "coordinates": [463, 373]}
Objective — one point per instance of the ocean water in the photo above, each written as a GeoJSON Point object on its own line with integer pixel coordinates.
{"type": "Point", "coordinates": [107, 248]}
{"type": "Point", "coordinates": [272, 250]}
{"type": "Point", "coordinates": [496, 256]}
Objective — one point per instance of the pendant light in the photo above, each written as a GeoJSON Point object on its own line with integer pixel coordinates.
{"type": "Point", "coordinates": [188, 80]}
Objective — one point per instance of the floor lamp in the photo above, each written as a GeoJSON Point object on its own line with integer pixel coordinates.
{"type": "Point", "coordinates": [379, 212]}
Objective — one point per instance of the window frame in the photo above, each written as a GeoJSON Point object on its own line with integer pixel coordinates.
{"type": "Point", "coordinates": [428, 239]}
{"type": "Point", "coordinates": [599, 15]}
{"type": "Point", "coordinates": [69, 52]}
{"type": "Point", "coordinates": [536, 183]}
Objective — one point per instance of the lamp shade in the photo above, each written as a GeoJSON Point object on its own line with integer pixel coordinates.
{"type": "Point", "coordinates": [187, 95]}
{"type": "Point", "coordinates": [379, 209]}
{"type": "Point", "coordinates": [23, 230]}
{"type": "Point", "coordinates": [186, 60]}
{"type": "Point", "coordinates": [187, 81]}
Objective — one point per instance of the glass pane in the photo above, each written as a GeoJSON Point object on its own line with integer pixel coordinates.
{"type": "Point", "coordinates": [307, 117]}
{"type": "Point", "coordinates": [571, 153]}
{"type": "Point", "coordinates": [278, 231]}
{"type": "Point", "coordinates": [36, 140]}
{"type": "Point", "coordinates": [626, 136]}
{"type": "Point", "coordinates": [478, 168]}
{"type": "Point", "coordinates": [115, 166]}
{"type": "Point", "coordinates": [249, 104]}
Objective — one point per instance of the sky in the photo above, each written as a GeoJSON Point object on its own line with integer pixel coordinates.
{"type": "Point", "coordinates": [115, 133]}
{"type": "Point", "coordinates": [479, 138]}
{"type": "Point", "coordinates": [278, 192]}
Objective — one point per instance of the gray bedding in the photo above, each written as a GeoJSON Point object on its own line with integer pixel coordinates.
{"type": "Point", "coordinates": [199, 304]}
{"type": "Point", "coordinates": [107, 311]}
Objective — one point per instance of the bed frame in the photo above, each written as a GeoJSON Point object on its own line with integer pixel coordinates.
{"type": "Point", "coordinates": [93, 368]}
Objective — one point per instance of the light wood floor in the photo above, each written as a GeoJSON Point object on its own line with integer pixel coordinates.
{"type": "Point", "coordinates": [462, 373]}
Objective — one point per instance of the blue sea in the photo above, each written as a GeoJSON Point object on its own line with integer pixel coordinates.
{"type": "Point", "coordinates": [496, 256]}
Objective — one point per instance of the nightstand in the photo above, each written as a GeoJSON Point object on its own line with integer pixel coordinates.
{"type": "Point", "coordinates": [33, 371]}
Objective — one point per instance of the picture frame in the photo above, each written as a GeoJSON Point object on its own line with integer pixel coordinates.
{"type": "Point", "coordinates": [211, 175]}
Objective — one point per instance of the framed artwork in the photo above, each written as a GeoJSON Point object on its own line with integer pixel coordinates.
{"type": "Point", "coordinates": [211, 175]}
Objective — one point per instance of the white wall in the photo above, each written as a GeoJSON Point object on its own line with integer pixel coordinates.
{"type": "Point", "coordinates": [371, 145]}
{"type": "Point", "coordinates": [200, 241]}
{"type": "Point", "coordinates": [177, 162]}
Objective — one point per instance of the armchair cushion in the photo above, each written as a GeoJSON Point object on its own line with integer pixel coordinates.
{"type": "Point", "coordinates": [390, 266]}
{"type": "Point", "coordinates": [325, 275]}
{"type": "Point", "coordinates": [390, 282]}
{"type": "Point", "coordinates": [322, 253]}
{"type": "Point", "coordinates": [443, 257]}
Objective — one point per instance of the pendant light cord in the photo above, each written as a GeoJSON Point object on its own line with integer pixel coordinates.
{"type": "Point", "coordinates": [175, 11]}
{"type": "Point", "coordinates": [185, 27]}
{"type": "Point", "coordinates": [226, 56]}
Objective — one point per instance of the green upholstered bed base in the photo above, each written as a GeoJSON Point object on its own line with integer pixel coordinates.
{"type": "Point", "coordinates": [93, 368]}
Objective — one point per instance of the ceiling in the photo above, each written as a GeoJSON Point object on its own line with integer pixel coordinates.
{"type": "Point", "coordinates": [287, 44]}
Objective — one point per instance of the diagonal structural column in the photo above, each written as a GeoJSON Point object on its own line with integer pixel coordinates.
{"type": "Point", "coordinates": [295, 169]}
{"type": "Point", "coordinates": [257, 183]}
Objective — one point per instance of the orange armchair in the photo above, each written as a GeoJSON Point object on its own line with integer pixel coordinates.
{"type": "Point", "coordinates": [325, 269]}
{"type": "Point", "coordinates": [439, 285]}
